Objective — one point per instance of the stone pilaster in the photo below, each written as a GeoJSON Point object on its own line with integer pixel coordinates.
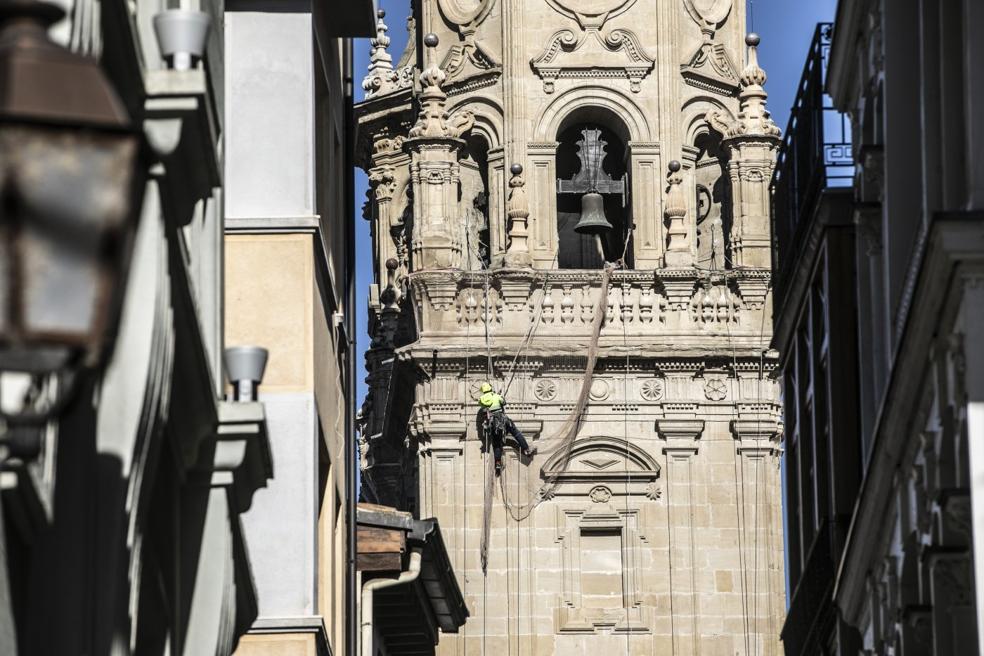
{"type": "Point", "coordinates": [681, 443]}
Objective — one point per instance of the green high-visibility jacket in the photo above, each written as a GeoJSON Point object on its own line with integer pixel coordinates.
{"type": "Point", "coordinates": [491, 400]}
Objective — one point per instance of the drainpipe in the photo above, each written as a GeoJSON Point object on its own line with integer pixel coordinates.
{"type": "Point", "coordinates": [351, 462]}
{"type": "Point", "coordinates": [407, 576]}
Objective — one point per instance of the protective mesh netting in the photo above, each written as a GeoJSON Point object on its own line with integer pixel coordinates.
{"type": "Point", "coordinates": [561, 442]}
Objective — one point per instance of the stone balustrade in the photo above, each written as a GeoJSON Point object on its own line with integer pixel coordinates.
{"type": "Point", "coordinates": [640, 304]}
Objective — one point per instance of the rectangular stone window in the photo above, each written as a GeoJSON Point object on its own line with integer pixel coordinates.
{"type": "Point", "coordinates": [601, 569]}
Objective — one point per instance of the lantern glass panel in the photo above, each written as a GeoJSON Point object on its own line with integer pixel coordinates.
{"type": "Point", "coordinates": [68, 195]}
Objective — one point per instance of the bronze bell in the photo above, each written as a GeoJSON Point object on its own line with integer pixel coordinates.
{"type": "Point", "coordinates": [593, 221]}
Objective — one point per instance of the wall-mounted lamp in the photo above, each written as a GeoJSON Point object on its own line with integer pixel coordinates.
{"type": "Point", "coordinates": [181, 35]}
{"type": "Point", "coordinates": [244, 366]}
{"type": "Point", "coordinates": [72, 174]}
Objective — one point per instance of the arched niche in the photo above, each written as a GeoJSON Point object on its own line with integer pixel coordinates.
{"type": "Point", "coordinates": [474, 203]}
{"type": "Point", "coordinates": [622, 116]}
{"type": "Point", "coordinates": [593, 99]}
{"type": "Point", "coordinates": [483, 169]}
{"type": "Point", "coordinates": [709, 184]}
{"type": "Point", "coordinates": [585, 129]}
{"type": "Point", "coordinates": [713, 213]}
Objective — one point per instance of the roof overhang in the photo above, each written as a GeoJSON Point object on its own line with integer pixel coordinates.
{"type": "Point", "coordinates": [437, 586]}
{"type": "Point", "coordinates": [352, 18]}
{"type": "Point", "coordinates": [842, 68]}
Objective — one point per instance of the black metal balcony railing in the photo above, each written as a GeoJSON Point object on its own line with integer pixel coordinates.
{"type": "Point", "coordinates": [815, 153]}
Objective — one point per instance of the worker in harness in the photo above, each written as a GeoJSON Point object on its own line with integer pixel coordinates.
{"type": "Point", "coordinates": [498, 423]}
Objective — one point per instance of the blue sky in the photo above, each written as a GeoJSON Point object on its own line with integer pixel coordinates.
{"type": "Point", "coordinates": [786, 27]}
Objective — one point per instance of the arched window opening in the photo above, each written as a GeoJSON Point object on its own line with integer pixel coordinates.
{"type": "Point", "coordinates": [474, 167]}
{"type": "Point", "coordinates": [592, 160]}
{"type": "Point", "coordinates": [713, 204]}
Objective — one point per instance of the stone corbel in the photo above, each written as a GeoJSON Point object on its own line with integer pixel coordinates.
{"type": "Point", "coordinates": [517, 287]}
{"type": "Point", "coordinates": [242, 460]}
{"type": "Point", "coordinates": [754, 288]}
{"type": "Point", "coordinates": [680, 435]}
{"type": "Point", "coordinates": [183, 129]}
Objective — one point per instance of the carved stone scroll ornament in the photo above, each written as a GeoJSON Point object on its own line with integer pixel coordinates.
{"type": "Point", "coordinates": [468, 57]}
{"type": "Point", "coordinates": [593, 54]}
{"type": "Point", "coordinates": [710, 68]}
{"type": "Point", "coordinates": [591, 14]}
{"type": "Point", "coordinates": [709, 15]}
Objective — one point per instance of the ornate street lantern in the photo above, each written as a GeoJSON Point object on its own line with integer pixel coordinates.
{"type": "Point", "coordinates": [72, 173]}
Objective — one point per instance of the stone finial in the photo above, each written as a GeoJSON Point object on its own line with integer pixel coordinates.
{"type": "Point", "coordinates": [677, 243]}
{"type": "Point", "coordinates": [432, 120]}
{"type": "Point", "coordinates": [753, 75]}
{"type": "Point", "coordinates": [391, 295]}
{"type": "Point", "coordinates": [518, 208]}
{"type": "Point", "coordinates": [753, 117]}
{"type": "Point", "coordinates": [381, 77]}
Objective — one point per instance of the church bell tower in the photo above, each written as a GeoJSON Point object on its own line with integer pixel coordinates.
{"type": "Point", "coordinates": [570, 199]}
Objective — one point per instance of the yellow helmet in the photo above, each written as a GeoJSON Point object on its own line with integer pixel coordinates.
{"type": "Point", "coordinates": [486, 387]}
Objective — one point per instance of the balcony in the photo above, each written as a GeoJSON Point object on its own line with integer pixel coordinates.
{"type": "Point", "coordinates": [672, 311]}
{"type": "Point", "coordinates": [815, 156]}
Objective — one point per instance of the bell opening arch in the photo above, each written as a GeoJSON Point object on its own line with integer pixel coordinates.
{"type": "Point", "coordinates": [631, 154]}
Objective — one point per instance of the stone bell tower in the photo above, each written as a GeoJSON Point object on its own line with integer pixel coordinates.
{"type": "Point", "coordinates": [570, 198]}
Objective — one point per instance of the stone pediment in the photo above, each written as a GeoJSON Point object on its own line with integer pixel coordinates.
{"type": "Point", "coordinates": [603, 459]}
{"type": "Point", "coordinates": [712, 69]}
{"type": "Point", "coordinates": [470, 66]}
{"type": "Point", "coordinates": [593, 54]}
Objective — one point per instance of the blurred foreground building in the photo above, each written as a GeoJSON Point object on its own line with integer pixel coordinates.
{"type": "Point", "coordinates": [209, 145]}
{"type": "Point", "coordinates": [289, 282]}
{"type": "Point", "coordinates": [879, 318]}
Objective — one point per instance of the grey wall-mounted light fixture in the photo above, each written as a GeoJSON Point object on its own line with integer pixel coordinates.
{"type": "Point", "coordinates": [245, 366]}
{"type": "Point", "coordinates": [181, 35]}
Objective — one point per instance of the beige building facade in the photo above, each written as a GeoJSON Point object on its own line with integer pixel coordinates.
{"type": "Point", "coordinates": [289, 276]}
{"type": "Point", "coordinates": [637, 363]}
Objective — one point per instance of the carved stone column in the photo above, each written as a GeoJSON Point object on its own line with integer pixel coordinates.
{"type": "Point", "coordinates": [752, 141]}
{"type": "Point", "coordinates": [433, 146]}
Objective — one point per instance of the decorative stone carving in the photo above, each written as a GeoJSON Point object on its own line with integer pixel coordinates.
{"type": "Point", "coordinates": [652, 389]}
{"type": "Point", "coordinates": [381, 77]}
{"type": "Point", "coordinates": [752, 141]}
{"type": "Point", "coordinates": [518, 254]}
{"type": "Point", "coordinates": [709, 15]}
{"type": "Point", "coordinates": [593, 13]}
{"type": "Point", "coordinates": [711, 68]}
{"type": "Point", "coordinates": [469, 57]}
{"type": "Point", "coordinates": [593, 54]}
{"type": "Point", "coordinates": [715, 389]}
{"type": "Point", "coordinates": [545, 390]}
{"type": "Point", "coordinates": [653, 491]}
{"type": "Point", "coordinates": [595, 460]}
{"type": "Point", "coordinates": [600, 494]}
{"type": "Point", "coordinates": [600, 390]}
{"type": "Point", "coordinates": [678, 251]}
{"type": "Point", "coordinates": [714, 303]}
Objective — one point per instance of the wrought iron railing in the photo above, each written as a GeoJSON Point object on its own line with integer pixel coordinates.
{"type": "Point", "coordinates": [815, 154]}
